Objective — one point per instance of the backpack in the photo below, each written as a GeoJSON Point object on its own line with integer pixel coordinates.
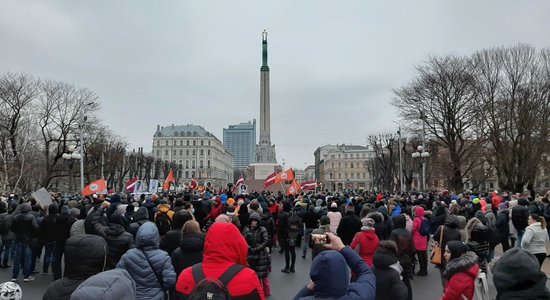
{"type": "Point", "coordinates": [424, 229]}
{"type": "Point", "coordinates": [296, 224]}
{"type": "Point", "coordinates": [4, 225]}
{"type": "Point", "coordinates": [163, 223]}
{"type": "Point", "coordinates": [212, 288]}
{"type": "Point", "coordinates": [481, 287]}
{"type": "Point", "coordinates": [493, 235]}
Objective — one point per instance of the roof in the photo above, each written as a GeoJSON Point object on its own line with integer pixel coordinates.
{"type": "Point", "coordinates": [182, 130]}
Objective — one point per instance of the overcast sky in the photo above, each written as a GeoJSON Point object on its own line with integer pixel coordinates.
{"type": "Point", "coordinates": [333, 64]}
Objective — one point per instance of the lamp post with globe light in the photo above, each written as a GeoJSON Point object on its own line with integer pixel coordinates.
{"type": "Point", "coordinates": [422, 154]}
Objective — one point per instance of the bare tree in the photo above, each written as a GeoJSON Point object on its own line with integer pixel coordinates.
{"type": "Point", "coordinates": [442, 98]}
{"type": "Point", "coordinates": [514, 89]}
{"type": "Point", "coordinates": [386, 160]}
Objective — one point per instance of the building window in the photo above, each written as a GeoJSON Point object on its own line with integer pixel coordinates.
{"type": "Point", "coordinates": [186, 174]}
{"type": "Point", "coordinates": [339, 175]}
{"type": "Point", "coordinates": [174, 152]}
{"type": "Point", "coordinates": [187, 142]}
{"type": "Point", "coordinates": [208, 151]}
{"type": "Point", "coordinates": [187, 152]}
{"type": "Point", "coordinates": [158, 152]}
{"type": "Point", "coordinates": [194, 153]}
{"type": "Point", "coordinates": [194, 143]}
{"type": "Point", "coordinates": [166, 152]}
{"type": "Point", "coordinates": [330, 175]}
{"type": "Point", "coordinates": [202, 151]}
{"type": "Point", "coordinates": [345, 165]}
{"type": "Point", "coordinates": [351, 165]}
{"type": "Point", "coordinates": [181, 151]}
{"type": "Point", "coordinates": [339, 164]}
{"type": "Point", "coordinates": [202, 143]}
{"type": "Point", "coordinates": [166, 142]}
{"type": "Point", "coordinates": [332, 156]}
{"type": "Point", "coordinates": [187, 164]}
{"type": "Point", "coordinates": [339, 156]}
{"type": "Point", "coordinates": [332, 165]}
{"type": "Point", "coordinates": [208, 164]}
{"type": "Point", "coordinates": [201, 164]}
{"type": "Point", "coordinates": [208, 143]}
{"type": "Point", "coordinates": [192, 164]}
{"type": "Point", "coordinates": [345, 156]}
{"type": "Point", "coordinates": [365, 175]}
{"type": "Point", "coordinates": [358, 175]}
{"type": "Point", "coordinates": [491, 185]}
{"type": "Point", "coordinates": [158, 143]}
{"type": "Point", "coordinates": [352, 175]}
{"type": "Point", "coordinates": [181, 142]}
{"type": "Point", "coordinates": [345, 175]}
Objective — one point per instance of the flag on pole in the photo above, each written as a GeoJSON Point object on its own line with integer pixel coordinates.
{"type": "Point", "coordinates": [285, 176]}
{"type": "Point", "coordinates": [239, 182]}
{"type": "Point", "coordinates": [309, 185]}
{"type": "Point", "coordinates": [293, 189]}
{"type": "Point", "coordinates": [95, 187]}
{"type": "Point", "coordinates": [169, 179]}
{"type": "Point", "coordinates": [130, 185]}
{"type": "Point", "coordinates": [270, 179]}
{"type": "Point", "coordinates": [194, 184]}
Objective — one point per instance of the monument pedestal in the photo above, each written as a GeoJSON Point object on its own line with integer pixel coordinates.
{"type": "Point", "coordinates": [258, 172]}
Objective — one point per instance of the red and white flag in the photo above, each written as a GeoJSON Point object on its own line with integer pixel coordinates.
{"type": "Point", "coordinates": [270, 179]}
{"type": "Point", "coordinates": [130, 185]}
{"type": "Point", "coordinates": [194, 184]}
{"type": "Point", "coordinates": [238, 183]}
{"type": "Point", "coordinates": [309, 185]}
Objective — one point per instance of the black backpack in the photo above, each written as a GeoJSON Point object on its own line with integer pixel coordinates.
{"type": "Point", "coordinates": [212, 288]}
{"type": "Point", "coordinates": [163, 223]}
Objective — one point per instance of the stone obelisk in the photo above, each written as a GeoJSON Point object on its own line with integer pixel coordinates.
{"type": "Point", "coordinates": [265, 152]}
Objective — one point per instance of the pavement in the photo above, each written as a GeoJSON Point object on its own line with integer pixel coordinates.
{"type": "Point", "coordinates": [283, 286]}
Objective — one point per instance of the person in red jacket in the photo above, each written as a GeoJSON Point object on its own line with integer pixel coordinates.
{"type": "Point", "coordinates": [460, 272]}
{"type": "Point", "coordinates": [216, 210]}
{"type": "Point", "coordinates": [366, 241]}
{"type": "Point", "coordinates": [224, 246]}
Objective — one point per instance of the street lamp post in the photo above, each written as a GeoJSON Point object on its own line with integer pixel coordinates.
{"type": "Point", "coordinates": [71, 155]}
{"type": "Point", "coordinates": [400, 157]}
{"type": "Point", "coordinates": [422, 154]}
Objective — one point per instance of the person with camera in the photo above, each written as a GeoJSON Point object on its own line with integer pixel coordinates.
{"type": "Point", "coordinates": [330, 278]}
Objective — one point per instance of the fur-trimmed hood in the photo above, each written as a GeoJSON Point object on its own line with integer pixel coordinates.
{"type": "Point", "coordinates": [464, 263]}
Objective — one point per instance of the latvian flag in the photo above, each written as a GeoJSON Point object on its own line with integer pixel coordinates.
{"type": "Point", "coordinates": [130, 185]}
{"type": "Point", "coordinates": [309, 185]}
{"type": "Point", "coordinates": [270, 179]}
{"type": "Point", "coordinates": [238, 183]}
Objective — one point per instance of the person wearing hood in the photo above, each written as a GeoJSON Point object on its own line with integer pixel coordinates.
{"type": "Point", "coordinates": [366, 242]}
{"type": "Point", "coordinates": [171, 240]}
{"type": "Point", "coordinates": [420, 241]}
{"type": "Point", "coordinates": [164, 217]}
{"type": "Point", "coordinates": [503, 226]}
{"type": "Point", "coordinates": [24, 226]}
{"type": "Point", "coordinates": [349, 225]}
{"type": "Point", "coordinates": [477, 241]}
{"type": "Point", "coordinates": [517, 274]}
{"type": "Point", "coordinates": [330, 278]}
{"type": "Point", "coordinates": [439, 217]}
{"type": "Point", "coordinates": [535, 238]}
{"type": "Point", "coordinates": [461, 271]}
{"type": "Point", "coordinates": [520, 214]}
{"type": "Point", "coordinates": [405, 250]}
{"type": "Point", "coordinates": [118, 240]}
{"type": "Point", "coordinates": [113, 284]}
{"type": "Point", "coordinates": [258, 258]}
{"type": "Point", "coordinates": [95, 215]}
{"type": "Point", "coordinates": [85, 256]}
{"type": "Point", "coordinates": [335, 217]}
{"type": "Point", "coordinates": [190, 250]}
{"type": "Point", "coordinates": [388, 270]}
{"type": "Point", "coordinates": [151, 207]}
{"type": "Point", "coordinates": [141, 216]}
{"type": "Point", "coordinates": [450, 233]}
{"type": "Point", "coordinates": [150, 267]}
{"type": "Point", "coordinates": [224, 247]}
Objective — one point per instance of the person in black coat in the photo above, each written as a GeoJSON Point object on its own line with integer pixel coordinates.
{"type": "Point", "coordinates": [520, 214]}
{"type": "Point", "coordinates": [24, 226]}
{"type": "Point", "coordinates": [96, 215]}
{"type": "Point", "coordinates": [258, 258]}
{"type": "Point", "coordinates": [405, 250]}
{"type": "Point", "coordinates": [502, 223]}
{"type": "Point", "coordinates": [118, 240]}
{"type": "Point", "coordinates": [190, 250]}
{"type": "Point", "coordinates": [141, 216]}
{"type": "Point", "coordinates": [387, 269]}
{"type": "Point", "coordinates": [349, 225]}
{"type": "Point", "coordinates": [171, 240]}
{"type": "Point", "coordinates": [450, 233]}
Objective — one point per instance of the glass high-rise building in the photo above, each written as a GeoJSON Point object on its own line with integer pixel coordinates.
{"type": "Point", "coordinates": [240, 140]}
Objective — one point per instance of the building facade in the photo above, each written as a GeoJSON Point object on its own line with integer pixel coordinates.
{"type": "Point", "coordinates": [343, 167]}
{"type": "Point", "coordinates": [197, 152]}
{"type": "Point", "coordinates": [240, 140]}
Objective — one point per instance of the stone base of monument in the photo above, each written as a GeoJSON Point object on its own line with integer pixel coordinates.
{"type": "Point", "coordinates": [256, 175]}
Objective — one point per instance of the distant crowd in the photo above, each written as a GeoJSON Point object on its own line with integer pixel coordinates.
{"type": "Point", "coordinates": [363, 245]}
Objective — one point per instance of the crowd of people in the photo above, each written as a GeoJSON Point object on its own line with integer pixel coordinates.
{"type": "Point", "coordinates": [363, 245]}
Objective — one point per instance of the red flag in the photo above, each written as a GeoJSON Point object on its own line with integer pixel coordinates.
{"type": "Point", "coordinates": [270, 179]}
{"type": "Point", "coordinates": [285, 176]}
{"type": "Point", "coordinates": [309, 185]}
{"type": "Point", "coordinates": [169, 179]}
{"type": "Point", "coordinates": [194, 184]}
{"type": "Point", "coordinates": [130, 185]}
{"type": "Point", "coordinates": [239, 182]}
{"type": "Point", "coordinates": [293, 189]}
{"type": "Point", "coordinates": [95, 187]}
{"type": "Point", "coordinates": [111, 191]}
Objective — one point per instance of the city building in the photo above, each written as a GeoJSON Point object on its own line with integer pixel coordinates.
{"type": "Point", "coordinates": [240, 140]}
{"type": "Point", "coordinates": [197, 152]}
{"type": "Point", "coordinates": [309, 173]}
{"type": "Point", "coordinates": [343, 167]}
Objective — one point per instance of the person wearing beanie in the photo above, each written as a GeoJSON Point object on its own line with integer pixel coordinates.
{"type": "Point", "coordinates": [405, 250]}
{"type": "Point", "coordinates": [450, 232]}
{"type": "Point", "coordinates": [258, 258]}
{"type": "Point", "coordinates": [118, 240]}
{"type": "Point", "coordinates": [517, 275]}
{"type": "Point", "coordinates": [387, 269]}
{"type": "Point", "coordinates": [366, 242]}
{"type": "Point", "coordinates": [460, 271]}
{"type": "Point", "coordinates": [349, 225]}
{"type": "Point", "coordinates": [330, 278]}
{"type": "Point", "coordinates": [335, 217]}
{"type": "Point", "coordinates": [170, 241]}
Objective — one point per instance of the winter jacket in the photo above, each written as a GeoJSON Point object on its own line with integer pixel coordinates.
{"type": "Point", "coordinates": [520, 214]}
{"type": "Point", "coordinates": [460, 274]}
{"type": "Point", "coordinates": [389, 285]}
{"type": "Point", "coordinates": [502, 224]}
{"type": "Point", "coordinates": [348, 227]}
{"type": "Point", "coordinates": [8, 219]}
{"type": "Point", "coordinates": [257, 239]}
{"type": "Point", "coordinates": [535, 238]}
{"type": "Point", "coordinates": [24, 225]}
{"type": "Point", "coordinates": [450, 233]}
{"type": "Point", "coordinates": [266, 221]}
{"type": "Point", "coordinates": [78, 228]}
{"type": "Point", "coordinates": [405, 245]}
{"type": "Point", "coordinates": [517, 274]}
{"type": "Point", "coordinates": [141, 216]}
{"type": "Point", "coordinates": [224, 247]}
{"type": "Point", "coordinates": [85, 255]}
{"type": "Point", "coordinates": [114, 284]}
{"type": "Point", "coordinates": [368, 242]}
{"type": "Point", "coordinates": [316, 249]}
{"type": "Point", "coordinates": [171, 240]}
{"type": "Point", "coordinates": [95, 216]}
{"type": "Point", "coordinates": [335, 218]}
{"type": "Point", "coordinates": [147, 264]}
{"type": "Point", "coordinates": [438, 219]}
{"type": "Point", "coordinates": [420, 241]}
{"type": "Point", "coordinates": [189, 252]}
{"type": "Point", "coordinates": [118, 242]}
{"type": "Point", "coordinates": [330, 273]}
{"type": "Point", "coordinates": [283, 227]}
